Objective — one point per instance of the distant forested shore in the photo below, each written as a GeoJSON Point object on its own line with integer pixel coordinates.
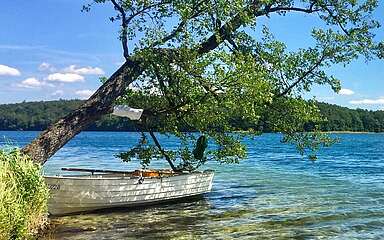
{"type": "Point", "coordinates": [36, 116]}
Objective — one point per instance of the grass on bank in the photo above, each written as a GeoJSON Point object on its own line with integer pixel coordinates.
{"type": "Point", "coordinates": [23, 196]}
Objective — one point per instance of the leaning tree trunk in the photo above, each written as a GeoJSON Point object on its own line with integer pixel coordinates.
{"type": "Point", "coordinates": [99, 104]}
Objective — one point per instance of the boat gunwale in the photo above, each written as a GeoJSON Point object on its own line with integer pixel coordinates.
{"type": "Point", "coordinates": [122, 176]}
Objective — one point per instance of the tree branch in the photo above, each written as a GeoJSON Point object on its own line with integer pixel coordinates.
{"type": "Point", "coordinates": [124, 29]}
{"type": "Point", "coordinates": [133, 15]}
{"type": "Point", "coordinates": [162, 151]}
{"type": "Point", "coordinates": [180, 26]}
{"type": "Point", "coordinates": [294, 9]}
{"type": "Point", "coordinates": [225, 31]}
{"type": "Point", "coordinates": [302, 77]}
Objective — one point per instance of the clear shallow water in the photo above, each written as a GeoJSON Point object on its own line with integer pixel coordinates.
{"type": "Point", "coordinates": [274, 193]}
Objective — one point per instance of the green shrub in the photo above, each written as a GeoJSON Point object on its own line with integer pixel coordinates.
{"type": "Point", "coordinates": [23, 196]}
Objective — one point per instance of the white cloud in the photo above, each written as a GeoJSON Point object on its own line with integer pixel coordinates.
{"type": "Point", "coordinates": [31, 83]}
{"type": "Point", "coordinates": [46, 66]}
{"type": "Point", "coordinates": [8, 71]}
{"type": "Point", "coordinates": [84, 94]}
{"type": "Point", "coordinates": [346, 91]}
{"type": "Point", "coordinates": [84, 70]}
{"type": "Point", "coordinates": [65, 77]}
{"type": "Point", "coordinates": [58, 93]}
{"type": "Point", "coordinates": [379, 101]}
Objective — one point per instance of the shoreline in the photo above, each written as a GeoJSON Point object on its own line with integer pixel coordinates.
{"type": "Point", "coordinates": [353, 132]}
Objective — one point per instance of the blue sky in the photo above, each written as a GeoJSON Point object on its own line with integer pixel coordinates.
{"type": "Point", "coordinates": [49, 50]}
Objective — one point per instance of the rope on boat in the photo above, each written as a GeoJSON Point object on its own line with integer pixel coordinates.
{"type": "Point", "coordinates": [141, 178]}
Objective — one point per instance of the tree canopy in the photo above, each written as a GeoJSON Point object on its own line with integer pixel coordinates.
{"type": "Point", "coordinates": [205, 64]}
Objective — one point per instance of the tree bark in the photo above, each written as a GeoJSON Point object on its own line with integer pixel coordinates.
{"type": "Point", "coordinates": [99, 104]}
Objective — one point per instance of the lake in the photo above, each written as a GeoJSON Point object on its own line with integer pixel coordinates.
{"type": "Point", "coordinates": [274, 193]}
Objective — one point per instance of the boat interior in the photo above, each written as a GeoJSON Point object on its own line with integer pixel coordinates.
{"type": "Point", "coordinates": [99, 173]}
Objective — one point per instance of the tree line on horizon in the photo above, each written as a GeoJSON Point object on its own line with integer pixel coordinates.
{"type": "Point", "coordinates": [37, 116]}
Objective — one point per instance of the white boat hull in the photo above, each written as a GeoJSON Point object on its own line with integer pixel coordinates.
{"type": "Point", "coordinates": [92, 192]}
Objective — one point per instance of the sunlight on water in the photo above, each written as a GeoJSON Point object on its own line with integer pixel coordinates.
{"type": "Point", "coordinates": [274, 193]}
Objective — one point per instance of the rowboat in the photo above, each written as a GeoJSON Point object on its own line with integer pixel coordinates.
{"type": "Point", "coordinates": [101, 189]}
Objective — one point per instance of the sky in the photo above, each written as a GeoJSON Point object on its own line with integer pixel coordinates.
{"type": "Point", "coordinates": [51, 50]}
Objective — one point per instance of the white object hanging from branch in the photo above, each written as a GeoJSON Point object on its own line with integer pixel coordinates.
{"type": "Point", "coordinates": [125, 111]}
